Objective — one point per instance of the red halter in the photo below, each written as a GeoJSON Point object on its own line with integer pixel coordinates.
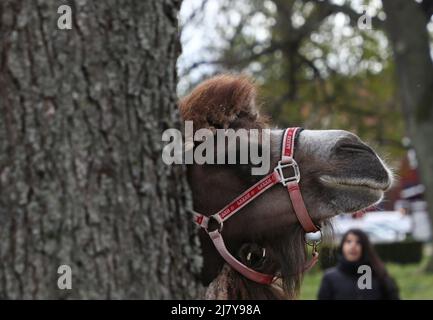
{"type": "Point", "coordinates": [277, 176]}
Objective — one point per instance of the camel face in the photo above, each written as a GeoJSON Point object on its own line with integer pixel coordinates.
{"type": "Point", "coordinates": [342, 174]}
{"type": "Point", "coordinates": [339, 174]}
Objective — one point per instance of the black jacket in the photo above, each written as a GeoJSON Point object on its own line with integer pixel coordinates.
{"type": "Point", "coordinates": [341, 283]}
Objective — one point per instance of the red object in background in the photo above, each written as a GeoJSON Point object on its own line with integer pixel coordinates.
{"type": "Point", "coordinates": [407, 177]}
{"type": "Point", "coordinates": [408, 174]}
{"type": "Point", "coordinates": [361, 213]}
{"type": "Point", "coordinates": [358, 214]}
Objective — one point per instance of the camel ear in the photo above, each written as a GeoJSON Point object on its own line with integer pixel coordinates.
{"type": "Point", "coordinates": [222, 102]}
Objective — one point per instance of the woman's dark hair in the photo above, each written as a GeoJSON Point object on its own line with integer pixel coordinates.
{"type": "Point", "coordinates": [370, 257]}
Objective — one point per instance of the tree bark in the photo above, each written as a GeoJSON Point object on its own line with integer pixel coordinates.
{"type": "Point", "coordinates": [406, 25]}
{"type": "Point", "coordinates": [82, 181]}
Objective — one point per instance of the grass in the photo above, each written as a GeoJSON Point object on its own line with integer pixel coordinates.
{"type": "Point", "coordinates": [412, 281]}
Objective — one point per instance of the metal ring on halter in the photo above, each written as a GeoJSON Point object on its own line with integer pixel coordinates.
{"type": "Point", "coordinates": [314, 243]}
{"type": "Point", "coordinates": [263, 254]}
{"type": "Point", "coordinates": [218, 220]}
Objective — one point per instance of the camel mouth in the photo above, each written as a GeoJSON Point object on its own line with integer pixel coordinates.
{"type": "Point", "coordinates": [356, 183]}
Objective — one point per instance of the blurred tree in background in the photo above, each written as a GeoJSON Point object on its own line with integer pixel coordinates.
{"type": "Point", "coordinates": [322, 64]}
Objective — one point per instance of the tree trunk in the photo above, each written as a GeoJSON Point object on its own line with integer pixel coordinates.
{"type": "Point", "coordinates": [406, 25]}
{"type": "Point", "coordinates": [82, 181]}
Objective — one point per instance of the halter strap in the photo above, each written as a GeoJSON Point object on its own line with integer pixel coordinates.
{"type": "Point", "coordinates": [277, 176]}
{"type": "Point", "coordinates": [298, 203]}
{"type": "Point", "coordinates": [241, 201]}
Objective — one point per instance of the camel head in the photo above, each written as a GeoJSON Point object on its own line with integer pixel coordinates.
{"type": "Point", "coordinates": [339, 174]}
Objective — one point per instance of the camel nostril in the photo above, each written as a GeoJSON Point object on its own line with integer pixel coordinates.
{"type": "Point", "coordinates": [354, 148]}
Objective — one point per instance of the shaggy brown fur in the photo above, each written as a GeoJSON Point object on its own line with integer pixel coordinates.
{"type": "Point", "coordinates": [223, 102]}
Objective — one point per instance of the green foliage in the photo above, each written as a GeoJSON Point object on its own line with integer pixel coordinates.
{"type": "Point", "coordinates": [401, 252]}
{"type": "Point", "coordinates": [328, 257]}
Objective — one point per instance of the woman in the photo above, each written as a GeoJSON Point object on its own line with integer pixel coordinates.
{"type": "Point", "coordinates": [344, 281]}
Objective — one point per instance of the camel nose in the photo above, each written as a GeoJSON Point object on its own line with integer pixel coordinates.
{"type": "Point", "coordinates": [362, 160]}
{"type": "Point", "coordinates": [349, 143]}
{"type": "Point", "coordinates": [353, 147]}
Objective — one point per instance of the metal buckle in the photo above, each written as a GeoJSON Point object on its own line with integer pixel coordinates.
{"type": "Point", "coordinates": [218, 220]}
{"type": "Point", "coordinates": [279, 169]}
